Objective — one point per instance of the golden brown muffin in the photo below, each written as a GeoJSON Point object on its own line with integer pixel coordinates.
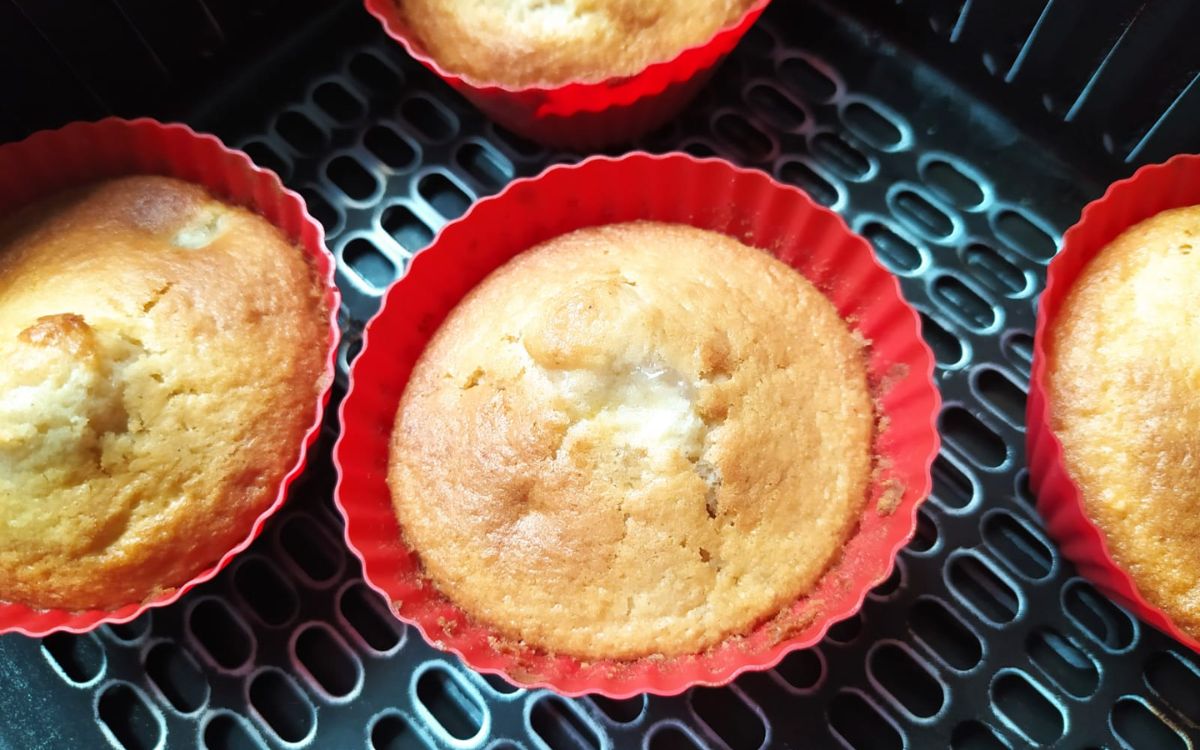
{"type": "Point", "coordinates": [633, 439]}
{"type": "Point", "coordinates": [163, 353]}
{"type": "Point", "coordinates": [527, 42]}
{"type": "Point", "coordinates": [1124, 388]}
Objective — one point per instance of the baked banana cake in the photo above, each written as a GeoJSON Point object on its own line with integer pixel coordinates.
{"type": "Point", "coordinates": [1124, 393]}
{"type": "Point", "coordinates": [550, 42]}
{"type": "Point", "coordinates": [163, 352]}
{"type": "Point", "coordinates": [634, 439]}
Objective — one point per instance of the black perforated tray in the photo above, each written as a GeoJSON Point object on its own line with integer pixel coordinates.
{"type": "Point", "coordinates": [983, 638]}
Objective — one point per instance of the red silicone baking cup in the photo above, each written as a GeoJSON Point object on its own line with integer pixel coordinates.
{"type": "Point", "coordinates": [585, 114]}
{"type": "Point", "coordinates": [707, 193]}
{"type": "Point", "coordinates": [83, 152]}
{"type": "Point", "coordinates": [1151, 190]}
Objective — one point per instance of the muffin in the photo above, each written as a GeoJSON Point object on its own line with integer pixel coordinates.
{"type": "Point", "coordinates": [533, 42]}
{"type": "Point", "coordinates": [159, 381]}
{"type": "Point", "coordinates": [1123, 383]}
{"type": "Point", "coordinates": [633, 439]}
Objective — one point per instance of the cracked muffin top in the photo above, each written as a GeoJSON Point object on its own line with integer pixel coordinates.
{"type": "Point", "coordinates": [162, 355]}
{"type": "Point", "coordinates": [633, 439]}
{"type": "Point", "coordinates": [550, 42]}
{"type": "Point", "coordinates": [1123, 379]}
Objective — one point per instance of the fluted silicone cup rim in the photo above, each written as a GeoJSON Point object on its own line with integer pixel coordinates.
{"type": "Point", "coordinates": [369, 408]}
{"type": "Point", "coordinates": [82, 152]}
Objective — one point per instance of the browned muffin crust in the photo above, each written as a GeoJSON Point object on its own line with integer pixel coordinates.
{"type": "Point", "coordinates": [528, 42]}
{"type": "Point", "coordinates": [633, 439]}
{"type": "Point", "coordinates": [163, 354]}
{"type": "Point", "coordinates": [1124, 388]}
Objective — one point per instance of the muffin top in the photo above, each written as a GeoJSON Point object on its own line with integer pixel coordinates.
{"type": "Point", "coordinates": [1124, 388]}
{"type": "Point", "coordinates": [549, 42]}
{"type": "Point", "coordinates": [633, 439]}
{"type": "Point", "coordinates": [163, 353]}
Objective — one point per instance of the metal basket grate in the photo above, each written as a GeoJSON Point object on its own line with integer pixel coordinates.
{"type": "Point", "coordinates": [983, 637]}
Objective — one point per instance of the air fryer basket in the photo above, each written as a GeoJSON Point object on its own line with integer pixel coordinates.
{"type": "Point", "coordinates": [961, 138]}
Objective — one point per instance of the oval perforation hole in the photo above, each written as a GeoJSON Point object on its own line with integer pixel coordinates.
{"type": "Point", "coordinates": [337, 102]}
{"type": "Point", "coordinates": [698, 149]}
{"type": "Point", "coordinates": [225, 731]}
{"type": "Point", "coordinates": [499, 684]}
{"type": "Point", "coordinates": [132, 631]}
{"type": "Point", "coordinates": [177, 677]}
{"type": "Point", "coordinates": [267, 593]}
{"type": "Point", "coordinates": [801, 669]}
{"type": "Point", "coordinates": [369, 264]}
{"type": "Point", "coordinates": [995, 271]}
{"type": "Point", "coordinates": [891, 584]}
{"type": "Point", "coordinates": [351, 347]}
{"type": "Point", "coordinates": [1024, 236]}
{"type": "Point", "coordinates": [364, 610]}
{"type": "Point", "coordinates": [220, 634]}
{"type": "Point", "coordinates": [742, 137]}
{"type": "Point", "coordinates": [951, 183]}
{"type": "Point", "coordinates": [129, 718]}
{"type": "Point", "coordinates": [1027, 708]}
{"type": "Point", "coordinates": [926, 535]}
{"type": "Point", "coordinates": [1018, 348]}
{"type": "Point", "coordinates": [80, 658]}
{"type": "Point", "coordinates": [873, 126]}
{"type": "Point", "coordinates": [921, 215]}
{"type": "Point", "coordinates": [1021, 489]}
{"type": "Point", "coordinates": [375, 73]}
{"type": "Point", "coordinates": [265, 156]}
{"type": "Point", "coordinates": [951, 486]}
{"type": "Point", "coordinates": [561, 726]}
{"type": "Point", "coordinates": [906, 680]}
{"type": "Point", "coordinates": [1097, 617]}
{"type": "Point", "coordinates": [945, 634]}
{"type": "Point", "coordinates": [313, 552]}
{"type": "Point", "coordinates": [621, 711]}
{"type": "Point", "coordinates": [321, 209]}
{"type": "Point", "coordinates": [804, 177]}
{"type": "Point", "coordinates": [998, 391]}
{"type": "Point", "coordinates": [300, 132]}
{"type": "Point", "coordinates": [962, 303]}
{"type": "Point", "coordinates": [283, 708]}
{"type": "Point", "coordinates": [976, 583]}
{"type": "Point", "coordinates": [1063, 662]}
{"type": "Point", "coordinates": [484, 165]}
{"type": "Point", "coordinates": [775, 107]}
{"type": "Point", "coordinates": [1141, 727]}
{"type": "Point", "coordinates": [840, 156]}
{"type": "Point", "coordinates": [430, 118]}
{"type": "Point", "coordinates": [860, 725]}
{"type": "Point", "coordinates": [443, 195]}
{"type": "Point", "coordinates": [896, 252]}
{"type": "Point", "coordinates": [847, 630]}
{"type": "Point", "coordinates": [1176, 682]}
{"type": "Point", "coordinates": [389, 147]}
{"type": "Point", "coordinates": [1017, 545]}
{"type": "Point", "coordinates": [454, 707]}
{"type": "Point", "coordinates": [393, 732]}
{"type": "Point", "coordinates": [351, 178]}
{"type": "Point", "coordinates": [405, 228]}
{"type": "Point", "coordinates": [963, 429]}
{"type": "Point", "coordinates": [331, 665]}
{"type": "Point", "coordinates": [975, 735]}
{"type": "Point", "coordinates": [947, 347]}
{"type": "Point", "coordinates": [671, 737]}
{"type": "Point", "coordinates": [728, 716]}
{"type": "Point", "coordinates": [807, 79]}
